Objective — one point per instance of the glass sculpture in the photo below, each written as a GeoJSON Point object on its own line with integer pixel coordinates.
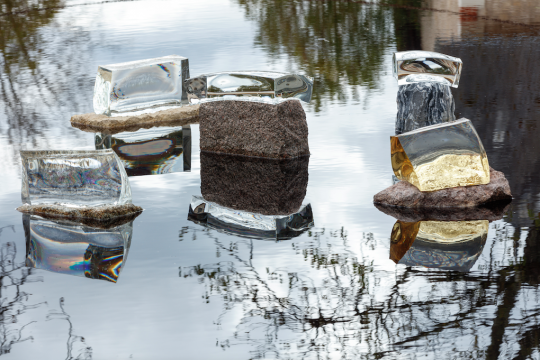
{"type": "Point", "coordinates": [143, 86]}
{"type": "Point", "coordinates": [426, 66]}
{"type": "Point", "coordinates": [74, 249]}
{"type": "Point", "coordinates": [440, 156]}
{"type": "Point", "coordinates": [248, 224]}
{"type": "Point", "coordinates": [249, 85]}
{"type": "Point", "coordinates": [159, 150]}
{"type": "Point", "coordinates": [74, 178]}
{"type": "Point", "coordinates": [450, 245]}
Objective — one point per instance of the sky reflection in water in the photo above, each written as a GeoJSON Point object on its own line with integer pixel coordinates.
{"type": "Point", "coordinates": [331, 292]}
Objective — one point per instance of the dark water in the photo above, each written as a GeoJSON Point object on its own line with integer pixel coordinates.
{"type": "Point", "coordinates": [189, 292]}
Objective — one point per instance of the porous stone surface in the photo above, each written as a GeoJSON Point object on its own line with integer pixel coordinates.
{"type": "Point", "coordinates": [422, 104]}
{"type": "Point", "coordinates": [490, 211]}
{"type": "Point", "coordinates": [248, 128]}
{"type": "Point", "coordinates": [179, 116]}
{"type": "Point", "coordinates": [264, 186]}
{"type": "Point", "coordinates": [406, 195]}
{"type": "Point", "coordinates": [103, 217]}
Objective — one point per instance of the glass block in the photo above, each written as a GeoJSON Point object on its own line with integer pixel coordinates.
{"type": "Point", "coordinates": [440, 156]}
{"type": "Point", "coordinates": [248, 224]}
{"type": "Point", "coordinates": [426, 66]}
{"type": "Point", "coordinates": [265, 86]}
{"type": "Point", "coordinates": [142, 86]}
{"type": "Point", "coordinates": [449, 245]}
{"type": "Point", "coordinates": [160, 150]}
{"type": "Point", "coordinates": [74, 249]}
{"type": "Point", "coordinates": [74, 178]}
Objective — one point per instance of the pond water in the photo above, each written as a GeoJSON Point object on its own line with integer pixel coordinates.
{"type": "Point", "coordinates": [333, 292]}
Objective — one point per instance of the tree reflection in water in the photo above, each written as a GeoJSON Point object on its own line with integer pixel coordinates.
{"type": "Point", "coordinates": [340, 43]}
{"type": "Point", "coordinates": [338, 303]}
{"type": "Point", "coordinates": [41, 59]}
{"type": "Point", "coordinates": [14, 301]}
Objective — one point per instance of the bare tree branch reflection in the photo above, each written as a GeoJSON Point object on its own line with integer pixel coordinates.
{"type": "Point", "coordinates": [343, 306]}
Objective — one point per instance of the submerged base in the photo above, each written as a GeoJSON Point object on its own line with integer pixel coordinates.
{"type": "Point", "coordinates": [404, 194]}
{"type": "Point", "coordinates": [102, 217]}
{"type": "Point", "coordinates": [178, 116]}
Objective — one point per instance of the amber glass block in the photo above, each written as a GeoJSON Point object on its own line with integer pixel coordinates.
{"type": "Point", "coordinates": [440, 156]}
{"type": "Point", "coordinates": [402, 237]}
{"type": "Point", "coordinates": [451, 245]}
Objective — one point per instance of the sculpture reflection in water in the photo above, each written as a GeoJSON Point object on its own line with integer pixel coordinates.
{"type": "Point", "coordinates": [448, 245]}
{"type": "Point", "coordinates": [159, 150]}
{"type": "Point", "coordinates": [253, 197]}
{"type": "Point", "coordinates": [76, 249]}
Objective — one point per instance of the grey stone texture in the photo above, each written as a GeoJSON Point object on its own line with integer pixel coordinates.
{"type": "Point", "coordinates": [406, 195]}
{"type": "Point", "coordinates": [278, 131]}
{"type": "Point", "coordinates": [264, 186]}
{"type": "Point", "coordinates": [179, 116]}
{"type": "Point", "coordinates": [422, 104]}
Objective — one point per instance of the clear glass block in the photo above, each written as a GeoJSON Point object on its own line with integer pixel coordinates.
{"type": "Point", "coordinates": [160, 150]}
{"type": "Point", "coordinates": [141, 86]}
{"type": "Point", "coordinates": [426, 66]}
{"type": "Point", "coordinates": [74, 178]}
{"type": "Point", "coordinates": [265, 86]}
{"type": "Point", "coordinates": [440, 156]}
{"type": "Point", "coordinates": [449, 245]}
{"type": "Point", "coordinates": [74, 249]}
{"type": "Point", "coordinates": [248, 224]}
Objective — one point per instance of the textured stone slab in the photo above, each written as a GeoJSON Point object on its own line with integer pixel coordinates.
{"type": "Point", "coordinates": [264, 186]}
{"type": "Point", "coordinates": [406, 195]}
{"type": "Point", "coordinates": [179, 116]}
{"type": "Point", "coordinates": [491, 211]}
{"type": "Point", "coordinates": [423, 104]}
{"type": "Point", "coordinates": [103, 217]}
{"type": "Point", "coordinates": [254, 129]}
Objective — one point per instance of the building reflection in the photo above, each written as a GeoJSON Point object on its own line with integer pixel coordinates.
{"type": "Point", "coordinates": [159, 150]}
{"type": "Point", "coordinates": [76, 249]}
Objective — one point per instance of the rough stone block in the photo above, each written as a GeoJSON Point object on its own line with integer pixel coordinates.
{"type": "Point", "coordinates": [265, 186]}
{"type": "Point", "coordinates": [276, 131]}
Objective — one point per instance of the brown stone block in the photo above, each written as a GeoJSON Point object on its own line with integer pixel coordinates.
{"type": "Point", "coordinates": [248, 128]}
{"type": "Point", "coordinates": [264, 186]}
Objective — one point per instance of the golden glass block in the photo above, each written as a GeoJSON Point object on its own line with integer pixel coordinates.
{"type": "Point", "coordinates": [453, 245]}
{"type": "Point", "coordinates": [440, 156]}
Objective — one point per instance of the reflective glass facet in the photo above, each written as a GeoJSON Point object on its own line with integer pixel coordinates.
{"type": "Point", "coordinates": [159, 150]}
{"type": "Point", "coordinates": [440, 156]}
{"type": "Point", "coordinates": [450, 245]}
{"type": "Point", "coordinates": [426, 66]}
{"type": "Point", "coordinates": [74, 178]}
{"type": "Point", "coordinates": [249, 85]}
{"type": "Point", "coordinates": [145, 85]}
{"type": "Point", "coordinates": [74, 249]}
{"type": "Point", "coordinates": [248, 224]}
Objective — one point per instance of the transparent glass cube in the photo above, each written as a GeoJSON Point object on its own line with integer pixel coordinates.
{"type": "Point", "coordinates": [263, 86]}
{"type": "Point", "coordinates": [449, 245]}
{"type": "Point", "coordinates": [160, 150]}
{"type": "Point", "coordinates": [141, 86]}
{"type": "Point", "coordinates": [75, 249]}
{"type": "Point", "coordinates": [74, 178]}
{"type": "Point", "coordinates": [248, 224]}
{"type": "Point", "coordinates": [426, 66]}
{"type": "Point", "coordinates": [440, 156]}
